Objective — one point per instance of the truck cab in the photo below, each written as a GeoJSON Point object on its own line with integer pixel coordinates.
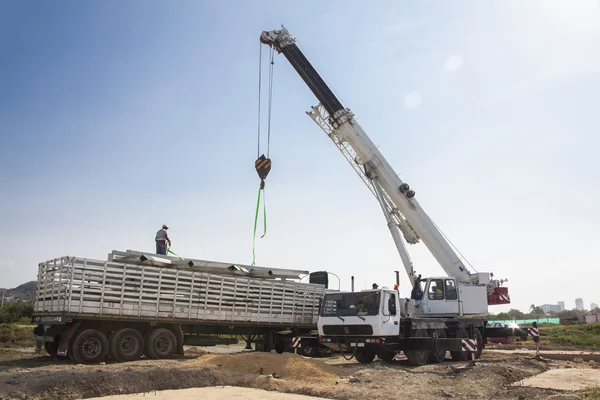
{"type": "Point", "coordinates": [377, 312]}
{"type": "Point", "coordinates": [365, 313]}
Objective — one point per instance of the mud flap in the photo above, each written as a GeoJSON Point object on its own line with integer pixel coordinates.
{"type": "Point", "coordinates": [65, 338]}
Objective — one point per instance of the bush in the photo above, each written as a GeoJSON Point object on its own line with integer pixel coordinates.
{"type": "Point", "coordinates": [584, 335]}
{"type": "Point", "coordinates": [14, 312]}
{"type": "Point", "coordinates": [10, 333]}
{"type": "Point", "coordinates": [24, 321]}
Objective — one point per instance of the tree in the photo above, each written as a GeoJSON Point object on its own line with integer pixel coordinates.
{"type": "Point", "coordinates": [537, 311]}
{"type": "Point", "coordinates": [13, 312]}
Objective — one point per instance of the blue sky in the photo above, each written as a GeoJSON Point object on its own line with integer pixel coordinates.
{"type": "Point", "coordinates": [117, 117]}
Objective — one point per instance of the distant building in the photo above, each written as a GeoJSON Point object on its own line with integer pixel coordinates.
{"type": "Point", "coordinates": [551, 308]}
{"type": "Point", "coordinates": [593, 305]}
{"type": "Point", "coordinates": [561, 304]}
{"type": "Point", "coordinates": [579, 304]}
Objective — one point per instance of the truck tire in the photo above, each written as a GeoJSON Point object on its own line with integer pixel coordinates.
{"type": "Point", "coordinates": [437, 356]}
{"type": "Point", "coordinates": [308, 351]}
{"type": "Point", "coordinates": [325, 351]}
{"type": "Point", "coordinates": [365, 356]}
{"type": "Point", "coordinates": [417, 357]}
{"type": "Point", "coordinates": [386, 356]}
{"type": "Point", "coordinates": [126, 344]}
{"type": "Point", "coordinates": [90, 346]}
{"type": "Point", "coordinates": [279, 345]}
{"type": "Point", "coordinates": [160, 343]}
{"type": "Point", "coordinates": [461, 355]}
{"type": "Point", "coordinates": [477, 336]}
{"type": "Point", "coordinates": [52, 347]}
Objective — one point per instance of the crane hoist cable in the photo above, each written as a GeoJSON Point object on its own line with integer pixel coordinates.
{"type": "Point", "coordinates": [263, 163]}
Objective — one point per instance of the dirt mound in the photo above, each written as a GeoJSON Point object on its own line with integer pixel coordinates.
{"type": "Point", "coordinates": [95, 382]}
{"type": "Point", "coordinates": [286, 366]}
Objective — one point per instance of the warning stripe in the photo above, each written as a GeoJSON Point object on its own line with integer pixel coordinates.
{"type": "Point", "coordinates": [296, 342]}
{"type": "Point", "coordinates": [469, 345]}
{"type": "Point", "coordinates": [533, 331]}
{"type": "Point", "coordinates": [503, 297]}
{"type": "Point", "coordinates": [260, 164]}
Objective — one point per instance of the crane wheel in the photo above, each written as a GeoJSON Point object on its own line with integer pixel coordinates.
{"type": "Point", "coordinates": [461, 355]}
{"type": "Point", "coordinates": [477, 336]}
{"type": "Point", "coordinates": [437, 356]}
{"type": "Point", "coordinates": [308, 351]}
{"type": "Point", "coordinates": [417, 357]}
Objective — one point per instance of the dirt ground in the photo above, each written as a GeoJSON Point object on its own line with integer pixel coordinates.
{"type": "Point", "coordinates": [29, 376]}
{"type": "Point", "coordinates": [211, 393]}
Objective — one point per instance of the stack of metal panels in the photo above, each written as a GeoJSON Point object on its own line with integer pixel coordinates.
{"type": "Point", "coordinates": [141, 258]}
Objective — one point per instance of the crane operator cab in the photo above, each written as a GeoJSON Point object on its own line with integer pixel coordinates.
{"type": "Point", "coordinates": [443, 296]}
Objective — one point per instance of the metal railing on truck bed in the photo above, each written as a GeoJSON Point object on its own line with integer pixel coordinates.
{"type": "Point", "coordinates": [86, 287]}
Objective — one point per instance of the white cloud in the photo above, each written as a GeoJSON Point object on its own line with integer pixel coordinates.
{"type": "Point", "coordinates": [413, 99]}
{"type": "Point", "coordinates": [453, 63]}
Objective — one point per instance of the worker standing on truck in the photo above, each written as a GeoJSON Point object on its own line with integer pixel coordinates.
{"type": "Point", "coordinates": [162, 239]}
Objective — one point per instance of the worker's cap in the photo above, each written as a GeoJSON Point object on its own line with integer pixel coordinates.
{"type": "Point", "coordinates": [165, 226]}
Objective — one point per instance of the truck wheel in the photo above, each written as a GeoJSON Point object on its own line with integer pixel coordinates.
{"type": "Point", "coordinates": [387, 356]}
{"type": "Point", "coordinates": [325, 351]}
{"type": "Point", "coordinates": [308, 351]}
{"type": "Point", "coordinates": [479, 338]}
{"type": "Point", "coordinates": [52, 347]}
{"type": "Point", "coordinates": [439, 355]}
{"type": "Point", "coordinates": [460, 355]}
{"type": "Point", "coordinates": [90, 346]}
{"type": "Point", "coordinates": [279, 345]}
{"type": "Point", "coordinates": [71, 353]}
{"type": "Point", "coordinates": [160, 343]}
{"type": "Point", "coordinates": [365, 357]}
{"type": "Point", "coordinates": [126, 344]}
{"type": "Point", "coordinates": [417, 357]}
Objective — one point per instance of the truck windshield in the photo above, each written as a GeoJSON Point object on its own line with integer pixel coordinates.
{"type": "Point", "coordinates": [348, 304]}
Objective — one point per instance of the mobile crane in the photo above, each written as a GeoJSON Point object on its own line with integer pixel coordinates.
{"type": "Point", "coordinates": [379, 322]}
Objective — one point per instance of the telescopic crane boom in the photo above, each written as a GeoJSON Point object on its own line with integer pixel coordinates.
{"type": "Point", "coordinates": [404, 215]}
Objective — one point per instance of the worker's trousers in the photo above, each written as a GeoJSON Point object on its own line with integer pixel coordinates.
{"type": "Point", "coordinates": [161, 248]}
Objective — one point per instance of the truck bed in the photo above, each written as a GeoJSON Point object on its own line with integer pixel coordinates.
{"type": "Point", "coordinates": [87, 287]}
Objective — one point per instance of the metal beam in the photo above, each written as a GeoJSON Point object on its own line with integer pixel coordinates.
{"type": "Point", "coordinates": [145, 258]}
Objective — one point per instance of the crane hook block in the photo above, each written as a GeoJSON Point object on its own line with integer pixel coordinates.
{"type": "Point", "coordinates": [263, 166]}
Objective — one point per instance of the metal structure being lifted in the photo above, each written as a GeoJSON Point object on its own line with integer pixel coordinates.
{"type": "Point", "coordinates": [215, 267]}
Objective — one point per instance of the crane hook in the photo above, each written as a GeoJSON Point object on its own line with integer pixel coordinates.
{"type": "Point", "coordinates": [263, 167]}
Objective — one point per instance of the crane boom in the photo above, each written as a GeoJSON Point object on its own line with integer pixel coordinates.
{"type": "Point", "coordinates": [401, 208]}
{"type": "Point", "coordinates": [347, 130]}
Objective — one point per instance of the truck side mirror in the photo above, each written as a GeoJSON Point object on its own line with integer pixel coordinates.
{"type": "Point", "coordinates": [392, 305]}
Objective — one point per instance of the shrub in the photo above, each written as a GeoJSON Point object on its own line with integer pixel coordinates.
{"type": "Point", "coordinates": [13, 312]}
{"type": "Point", "coordinates": [10, 333]}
